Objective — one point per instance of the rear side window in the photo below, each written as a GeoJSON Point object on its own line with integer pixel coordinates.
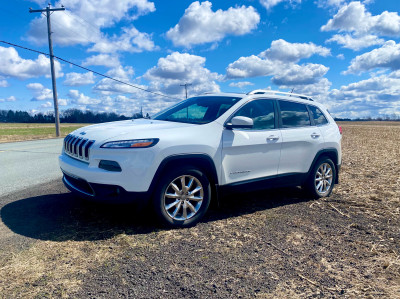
{"type": "Point", "coordinates": [319, 117]}
{"type": "Point", "coordinates": [261, 112]}
{"type": "Point", "coordinates": [294, 114]}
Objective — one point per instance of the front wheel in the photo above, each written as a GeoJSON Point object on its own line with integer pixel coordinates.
{"type": "Point", "coordinates": [322, 178]}
{"type": "Point", "coordinates": [182, 197]}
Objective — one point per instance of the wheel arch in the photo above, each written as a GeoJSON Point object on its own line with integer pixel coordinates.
{"type": "Point", "coordinates": [330, 153]}
{"type": "Point", "coordinates": [201, 161]}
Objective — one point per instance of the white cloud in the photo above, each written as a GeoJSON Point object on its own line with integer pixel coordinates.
{"type": "Point", "coordinates": [107, 86]}
{"type": "Point", "coordinates": [40, 93]}
{"type": "Point", "coordinates": [131, 40]}
{"type": "Point", "coordinates": [201, 25]}
{"type": "Point", "coordinates": [278, 61]}
{"type": "Point", "coordinates": [46, 105]}
{"type": "Point", "coordinates": [340, 56]}
{"type": "Point", "coordinates": [388, 56]}
{"type": "Point", "coordinates": [376, 96]}
{"type": "Point", "coordinates": [9, 99]}
{"type": "Point", "coordinates": [81, 99]}
{"type": "Point", "coordinates": [330, 3]}
{"type": "Point", "coordinates": [79, 79]}
{"type": "Point", "coordinates": [268, 4]}
{"type": "Point", "coordinates": [84, 19]}
{"type": "Point", "coordinates": [12, 65]}
{"type": "Point", "coordinates": [3, 83]}
{"type": "Point", "coordinates": [353, 17]}
{"type": "Point", "coordinates": [240, 84]}
{"type": "Point", "coordinates": [62, 102]}
{"type": "Point", "coordinates": [179, 68]}
{"type": "Point", "coordinates": [296, 74]}
{"type": "Point", "coordinates": [318, 90]}
{"type": "Point", "coordinates": [251, 66]}
{"type": "Point", "coordinates": [356, 43]}
{"type": "Point", "coordinates": [102, 60]}
{"type": "Point", "coordinates": [293, 52]}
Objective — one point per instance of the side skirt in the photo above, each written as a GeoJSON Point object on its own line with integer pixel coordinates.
{"type": "Point", "coordinates": [276, 181]}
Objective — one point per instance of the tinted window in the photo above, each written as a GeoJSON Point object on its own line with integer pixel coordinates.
{"type": "Point", "coordinates": [319, 117]}
{"type": "Point", "coordinates": [261, 112]}
{"type": "Point", "coordinates": [198, 110]}
{"type": "Point", "coordinates": [294, 114]}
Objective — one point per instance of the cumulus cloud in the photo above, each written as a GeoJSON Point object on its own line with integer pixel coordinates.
{"type": "Point", "coordinates": [251, 66]}
{"type": "Point", "coordinates": [330, 3]}
{"type": "Point", "coordinates": [200, 24]}
{"type": "Point", "coordinates": [107, 86]}
{"type": "Point", "coordinates": [293, 52]}
{"type": "Point", "coordinates": [388, 57]}
{"type": "Point", "coordinates": [46, 105]}
{"type": "Point", "coordinates": [102, 60]}
{"type": "Point", "coordinates": [353, 17]}
{"type": "Point", "coordinates": [3, 83]}
{"type": "Point", "coordinates": [279, 61]}
{"type": "Point", "coordinates": [39, 92]}
{"type": "Point", "coordinates": [81, 99]}
{"type": "Point", "coordinates": [83, 21]}
{"type": "Point", "coordinates": [356, 43]}
{"type": "Point", "coordinates": [9, 99]}
{"type": "Point", "coordinates": [300, 74]}
{"type": "Point", "coordinates": [240, 84]}
{"type": "Point", "coordinates": [131, 40]}
{"type": "Point", "coordinates": [12, 65]}
{"type": "Point", "coordinates": [178, 68]}
{"type": "Point", "coordinates": [268, 4]}
{"type": "Point", "coordinates": [376, 96]}
{"type": "Point", "coordinates": [79, 79]}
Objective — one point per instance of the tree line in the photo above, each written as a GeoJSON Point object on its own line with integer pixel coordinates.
{"type": "Point", "coordinates": [67, 116]}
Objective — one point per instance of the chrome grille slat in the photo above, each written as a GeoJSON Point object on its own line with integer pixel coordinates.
{"type": "Point", "coordinates": [77, 147]}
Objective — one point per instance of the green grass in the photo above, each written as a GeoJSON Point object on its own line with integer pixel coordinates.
{"type": "Point", "coordinates": [20, 131]}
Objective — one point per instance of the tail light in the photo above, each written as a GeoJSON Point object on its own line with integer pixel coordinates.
{"type": "Point", "coordinates": [340, 130]}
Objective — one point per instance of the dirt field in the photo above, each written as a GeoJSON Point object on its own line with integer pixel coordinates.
{"type": "Point", "coordinates": [271, 244]}
{"type": "Point", "coordinates": [10, 132]}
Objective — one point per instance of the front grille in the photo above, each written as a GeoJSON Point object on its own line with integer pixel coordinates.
{"type": "Point", "coordinates": [77, 147]}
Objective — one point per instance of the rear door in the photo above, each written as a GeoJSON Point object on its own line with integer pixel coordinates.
{"type": "Point", "coordinates": [300, 140]}
{"type": "Point", "coordinates": [254, 153]}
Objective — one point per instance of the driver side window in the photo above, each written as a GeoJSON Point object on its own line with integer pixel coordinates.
{"type": "Point", "coordinates": [262, 113]}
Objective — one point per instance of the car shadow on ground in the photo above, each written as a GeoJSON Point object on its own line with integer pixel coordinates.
{"type": "Point", "coordinates": [62, 217]}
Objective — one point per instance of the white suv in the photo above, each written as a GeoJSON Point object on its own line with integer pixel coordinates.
{"type": "Point", "coordinates": [202, 147]}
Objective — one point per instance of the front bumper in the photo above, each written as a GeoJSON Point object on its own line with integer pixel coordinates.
{"type": "Point", "coordinates": [103, 192]}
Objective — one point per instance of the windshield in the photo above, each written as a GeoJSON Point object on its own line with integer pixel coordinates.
{"type": "Point", "coordinates": [198, 110]}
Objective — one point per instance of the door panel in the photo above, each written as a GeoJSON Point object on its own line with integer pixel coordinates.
{"type": "Point", "coordinates": [250, 155]}
{"type": "Point", "coordinates": [299, 147]}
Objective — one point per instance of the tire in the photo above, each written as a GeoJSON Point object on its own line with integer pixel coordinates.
{"type": "Point", "coordinates": [182, 197]}
{"type": "Point", "coordinates": [321, 179]}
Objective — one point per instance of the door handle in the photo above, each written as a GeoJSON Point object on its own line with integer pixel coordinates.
{"type": "Point", "coordinates": [272, 138]}
{"type": "Point", "coordinates": [315, 135]}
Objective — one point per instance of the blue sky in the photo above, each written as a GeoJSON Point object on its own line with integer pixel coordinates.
{"type": "Point", "coordinates": [346, 54]}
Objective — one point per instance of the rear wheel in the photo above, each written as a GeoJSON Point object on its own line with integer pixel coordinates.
{"type": "Point", "coordinates": [182, 197]}
{"type": "Point", "coordinates": [322, 178]}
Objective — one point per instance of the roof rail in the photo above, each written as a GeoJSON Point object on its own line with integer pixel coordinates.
{"type": "Point", "coordinates": [264, 91]}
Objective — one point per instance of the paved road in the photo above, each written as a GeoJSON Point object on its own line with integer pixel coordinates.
{"type": "Point", "coordinates": [28, 163]}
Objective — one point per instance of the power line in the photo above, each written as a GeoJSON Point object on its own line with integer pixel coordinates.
{"type": "Point", "coordinates": [87, 69]}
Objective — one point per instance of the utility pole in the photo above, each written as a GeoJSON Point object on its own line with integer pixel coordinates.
{"type": "Point", "coordinates": [48, 12]}
{"type": "Point", "coordinates": [186, 85]}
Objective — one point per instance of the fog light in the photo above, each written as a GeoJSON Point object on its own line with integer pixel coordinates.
{"type": "Point", "coordinates": [110, 165]}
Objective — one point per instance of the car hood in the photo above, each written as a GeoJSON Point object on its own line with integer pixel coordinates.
{"type": "Point", "coordinates": [128, 129]}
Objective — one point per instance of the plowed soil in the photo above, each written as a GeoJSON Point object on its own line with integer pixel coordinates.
{"type": "Point", "coordinates": [271, 244]}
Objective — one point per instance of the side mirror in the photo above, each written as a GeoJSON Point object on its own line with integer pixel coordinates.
{"type": "Point", "coordinates": [240, 122]}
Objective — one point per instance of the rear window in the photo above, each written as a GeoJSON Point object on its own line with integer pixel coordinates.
{"type": "Point", "coordinates": [294, 114]}
{"type": "Point", "coordinates": [319, 117]}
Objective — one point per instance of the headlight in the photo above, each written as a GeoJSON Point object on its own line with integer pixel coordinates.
{"type": "Point", "coordinates": [135, 143]}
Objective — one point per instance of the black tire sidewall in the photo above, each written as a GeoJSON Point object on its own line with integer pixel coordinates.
{"type": "Point", "coordinates": [158, 198]}
{"type": "Point", "coordinates": [311, 184]}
